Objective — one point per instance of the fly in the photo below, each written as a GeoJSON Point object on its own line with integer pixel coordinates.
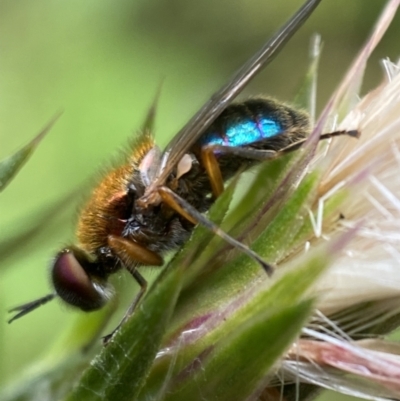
{"type": "Point", "coordinates": [150, 204]}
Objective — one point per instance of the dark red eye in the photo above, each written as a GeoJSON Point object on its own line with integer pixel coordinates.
{"type": "Point", "coordinates": [73, 283]}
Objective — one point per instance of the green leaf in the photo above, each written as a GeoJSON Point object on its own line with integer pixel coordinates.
{"type": "Point", "coordinates": [369, 319]}
{"type": "Point", "coordinates": [237, 365]}
{"type": "Point", "coordinates": [10, 166]}
{"type": "Point", "coordinates": [82, 335]}
{"type": "Point", "coordinates": [52, 383]}
{"type": "Point", "coordinates": [119, 371]}
{"type": "Point", "coordinates": [306, 95]}
{"type": "Point", "coordinates": [224, 281]}
{"type": "Point", "coordinates": [330, 216]}
{"type": "Point", "coordinates": [195, 330]}
{"type": "Point", "coordinates": [263, 186]}
{"type": "Point", "coordinates": [35, 227]}
{"type": "Point", "coordinates": [149, 121]}
{"type": "Point", "coordinates": [273, 242]}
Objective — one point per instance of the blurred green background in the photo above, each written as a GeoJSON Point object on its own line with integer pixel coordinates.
{"type": "Point", "coordinates": [101, 61]}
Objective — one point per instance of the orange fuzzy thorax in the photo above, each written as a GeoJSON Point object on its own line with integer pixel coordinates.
{"type": "Point", "coordinates": [101, 215]}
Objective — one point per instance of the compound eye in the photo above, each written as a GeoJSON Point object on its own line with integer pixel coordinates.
{"type": "Point", "coordinates": [74, 285]}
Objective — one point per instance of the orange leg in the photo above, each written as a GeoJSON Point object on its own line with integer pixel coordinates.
{"type": "Point", "coordinates": [213, 170]}
{"type": "Point", "coordinates": [129, 251]}
{"type": "Point", "coordinates": [211, 166]}
{"type": "Point", "coordinates": [186, 210]}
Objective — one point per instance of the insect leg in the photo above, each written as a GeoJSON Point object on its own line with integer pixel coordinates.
{"type": "Point", "coordinates": [296, 145]}
{"type": "Point", "coordinates": [213, 170]}
{"type": "Point", "coordinates": [128, 251]}
{"type": "Point", "coordinates": [211, 164]}
{"type": "Point", "coordinates": [186, 210]}
{"type": "Point", "coordinates": [131, 254]}
{"type": "Point", "coordinates": [143, 288]}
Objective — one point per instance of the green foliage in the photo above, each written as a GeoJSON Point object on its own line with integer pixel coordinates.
{"type": "Point", "coordinates": [10, 166]}
{"type": "Point", "coordinates": [240, 321]}
{"type": "Point", "coordinates": [120, 370]}
{"type": "Point", "coordinates": [213, 325]}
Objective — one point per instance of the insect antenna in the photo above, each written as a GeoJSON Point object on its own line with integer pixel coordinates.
{"type": "Point", "coordinates": [30, 306]}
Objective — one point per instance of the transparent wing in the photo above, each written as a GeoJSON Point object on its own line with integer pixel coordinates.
{"type": "Point", "coordinates": [188, 135]}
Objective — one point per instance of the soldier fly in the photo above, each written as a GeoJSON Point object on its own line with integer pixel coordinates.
{"type": "Point", "coordinates": [151, 203]}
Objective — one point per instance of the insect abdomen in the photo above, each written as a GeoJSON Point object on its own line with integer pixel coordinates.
{"type": "Point", "coordinates": [257, 121]}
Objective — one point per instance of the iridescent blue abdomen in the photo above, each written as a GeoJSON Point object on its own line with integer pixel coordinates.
{"type": "Point", "coordinates": [243, 131]}
{"type": "Point", "coordinates": [259, 122]}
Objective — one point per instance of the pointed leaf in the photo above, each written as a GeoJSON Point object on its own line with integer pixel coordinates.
{"type": "Point", "coordinates": [35, 226]}
{"type": "Point", "coordinates": [306, 95]}
{"type": "Point", "coordinates": [119, 371]}
{"type": "Point", "coordinates": [149, 122]}
{"type": "Point", "coordinates": [238, 364]}
{"type": "Point", "coordinates": [190, 340]}
{"type": "Point", "coordinates": [10, 166]}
